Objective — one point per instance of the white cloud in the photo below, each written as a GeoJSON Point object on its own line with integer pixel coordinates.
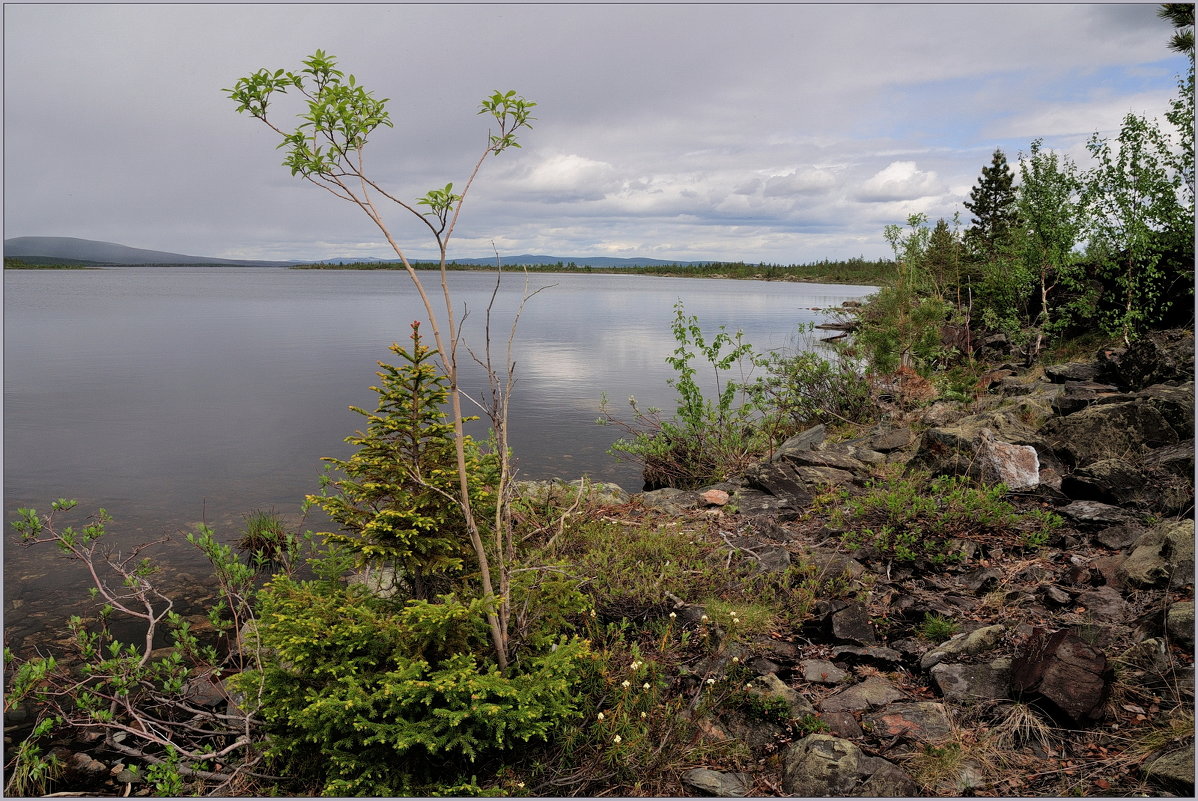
{"type": "Point", "coordinates": [899, 180]}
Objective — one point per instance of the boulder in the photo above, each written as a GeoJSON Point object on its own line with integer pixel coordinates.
{"type": "Point", "coordinates": [953, 449]}
{"type": "Point", "coordinates": [804, 441]}
{"type": "Point", "coordinates": [1072, 371]}
{"type": "Point", "coordinates": [876, 655]}
{"type": "Point", "coordinates": [670, 500]}
{"type": "Point", "coordinates": [851, 624]}
{"type": "Point", "coordinates": [1179, 623]}
{"type": "Point", "coordinates": [821, 765]}
{"type": "Point", "coordinates": [983, 681]}
{"type": "Point", "coordinates": [1064, 673]}
{"type": "Point", "coordinates": [717, 783]}
{"type": "Point", "coordinates": [873, 692]}
{"type": "Point", "coordinates": [1173, 771]}
{"type": "Point", "coordinates": [1104, 604]}
{"type": "Point", "coordinates": [1093, 514]}
{"type": "Point", "coordinates": [1177, 460]}
{"type": "Point", "coordinates": [966, 644]}
{"type": "Point", "coordinates": [893, 439]}
{"type": "Point", "coordinates": [922, 721]}
{"type": "Point", "coordinates": [826, 458]}
{"type": "Point", "coordinates": [1176, 405]}
{"type": "Point", "coordinates": [1107, 431]}
{"type": "Point", "coordinates": [780, 480]}
{"type": "Point", "coordinates": [1163, 556]}
{"type": "Point", "coordinates": [1114, 481]}
{"type": "Point", "coordinates": [1016, 466]}
{"type": "Point", "coordinates": [770, 686]}
{"type": "Point", "coordinates": [821, 671]}
{"type": "Point", "coordinates": [1155, 358]}
{"type": "Point", "coordinates": [1078, 395]}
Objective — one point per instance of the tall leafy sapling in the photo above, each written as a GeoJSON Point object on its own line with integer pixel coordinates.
{"type": "Point", "coordinates": [327, 149]}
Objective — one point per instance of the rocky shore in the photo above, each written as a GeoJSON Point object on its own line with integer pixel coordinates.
{"type": "Point", "coordinates": [1065, 668]}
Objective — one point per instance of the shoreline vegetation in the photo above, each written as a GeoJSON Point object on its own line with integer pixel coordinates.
{"type": "Point", "coordinates": [954, 559]}
{"type": "Point", "coordinates": [854, 271]}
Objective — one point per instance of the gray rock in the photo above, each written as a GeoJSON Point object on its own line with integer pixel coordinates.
{"type": "Point", "coordinates": [957, 682]}
{"type": "Point", "coordinates": [842, 724]}
{"type": "Point", "coordinates": [821, 671]}
{"type": "Point", "coordinates": [1179, 622]}
{"type": "Point", "coordinates": [1067, 674]}
{"type": "Point", "coordinates": [757, 504]}
{"type": "Point", "coordinates": [1113, 481]}
{"type": "Point", "coordinates": [779, 479]}
{"type": "Point", "coordinates": [670, 500]}
{"type": "Point", "coordinates": [1016, 466]}
{"type": "Point", "coordinates": [870, 655]}
{"type": "Point", "coordinates": [967, 644]}
{"type": "Point", "coordinates": [1163, 556]}
{"type": "Point", "coordinates": [1176, 405]}
{"type": "Point", "coordinates": [953, 449]}
{"type": "Point", "coordinates": [875, 691]}
{"type": "Point", "coordinates": [826, 458]}
{"type": "Point", "coordinates": [821, 476]}
{"type": "Point", "coordinates": [820, 765]}
{"type": "Point", "coordinates": [922, 721]}
{"type": "Point", "coordinates": [1072, 371]}
{"type": "Point", "coordinates": [1176, 460]}
{"type": "Point", "coordinates": [770, 686]}
{"type": "Point", "coordinates": [1094, 514]}
{"type": "Point", "coordinates": [1105, 604]}
{"type": "Point", "coordinates": [851, 624]}
{"type": "Point", "coordinates": [804, 441]}
{"type": "Point", "coordinates": [1173, 771]}
{"type": "Point", "coordinates": [717, 783]}
{"type": "Point", "coordinates": [1081, 395]}
{"type": "Point", "coordinates": [1108, 431]}
{"type": "Point", "coordinates": [1155, 358]}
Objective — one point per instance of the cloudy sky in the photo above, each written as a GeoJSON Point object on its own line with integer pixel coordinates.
{"type": "Point", "coordinates": [776, 133]}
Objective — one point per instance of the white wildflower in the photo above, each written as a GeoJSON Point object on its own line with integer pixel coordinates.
{"type": "Point", "coordinates": [617, 739]}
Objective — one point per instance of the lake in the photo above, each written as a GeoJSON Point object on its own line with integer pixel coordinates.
{"type": "Point", "coordinates": [176, 395]}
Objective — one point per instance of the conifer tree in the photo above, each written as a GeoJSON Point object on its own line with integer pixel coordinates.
{"type": "Point", "coordinates": [992, 202]}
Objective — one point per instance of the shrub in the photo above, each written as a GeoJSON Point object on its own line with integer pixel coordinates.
{"type": "Point", "coordinates": [395, 497]}
{"type": "Point", "coordinates": [915, 517]}
{"type": "Point", "coordinates": [803, 388]}
{"type": "Point", "coordinates": [707, 440]}
{"type": "Point", "coordinates": [365, 698]}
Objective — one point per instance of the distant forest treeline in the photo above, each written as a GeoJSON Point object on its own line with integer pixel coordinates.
{"type": "Point", "coordinates": [850, 271]}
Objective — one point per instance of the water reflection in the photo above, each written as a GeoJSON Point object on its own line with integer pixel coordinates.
{"type": "Point", "coordinates": [171, 396]}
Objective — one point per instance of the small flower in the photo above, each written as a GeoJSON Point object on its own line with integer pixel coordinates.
{"type": "Point", "coordinates": [749, 686]}
{"type": "Point", "coordinates": [645, 686]}
{"type": "Point", "coordinates": [735, 659]}
{"type": "Point", "coordinates": [519, 784]}
{"type": "Point", "coordinates": [644, 714]}
{"type": "Point", "coordinates": [592, 613]}
{"type": "Point", "coordinates": [600, 716]}
{"type": "Point", "coordinates": [634, 665]}
{"type": "Point", "coordinates": [703, 619]}
{"type": "Point", "coordinates": [673, 615]}
{"type": "Point", "coordinates": [617, 739]}
{"type": "Point", "coordinates": [711, 681]}
{"type": "Point", "coordinates": [626, 684]}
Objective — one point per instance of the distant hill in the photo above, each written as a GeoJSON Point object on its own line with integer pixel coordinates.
{"type": "Point", "coordinates": [72, 250]}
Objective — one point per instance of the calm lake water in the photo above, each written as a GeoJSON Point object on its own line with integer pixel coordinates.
{"type": "Point", "coordinates": [171, 396]}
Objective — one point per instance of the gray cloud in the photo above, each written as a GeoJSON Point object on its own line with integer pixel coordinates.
{"type": "Point", "coordinates": [758, 132]}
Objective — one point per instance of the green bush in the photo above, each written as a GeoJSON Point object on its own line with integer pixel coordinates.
{"type": "Point", "coordinates": [395, 497]}
{"type": "Point", "coordinates": [803, 388]}
{"type": "Point", "coordinates": [915, 517]}
{"type": "Point", "coordinates": [707, 440]}
{"type": "Point", "coordinates": [363, 698]}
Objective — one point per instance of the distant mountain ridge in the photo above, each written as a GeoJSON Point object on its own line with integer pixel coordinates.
{"type": "Point", "coordinates": [92, 251]}
{"type": "Point", "coordinates": [95, 252]}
